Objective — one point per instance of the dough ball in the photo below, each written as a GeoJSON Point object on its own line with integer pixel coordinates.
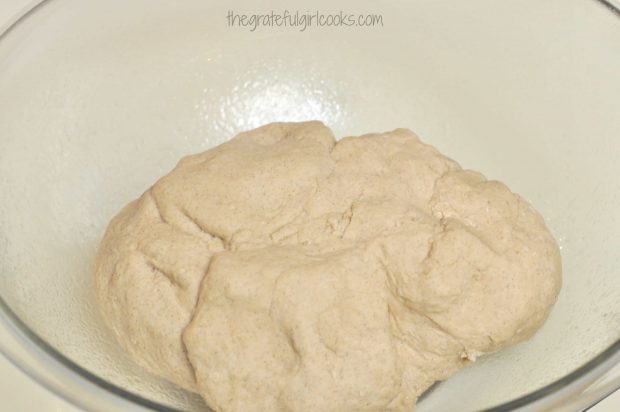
{"type": "Point", "coordinates": [285, 271]}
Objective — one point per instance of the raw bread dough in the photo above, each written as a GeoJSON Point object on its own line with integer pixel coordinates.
{"type": "Point", "coordinates": [282, 271]}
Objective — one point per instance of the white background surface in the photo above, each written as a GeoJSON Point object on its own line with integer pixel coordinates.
{"type": "Point", "coordinates": [19, 393]}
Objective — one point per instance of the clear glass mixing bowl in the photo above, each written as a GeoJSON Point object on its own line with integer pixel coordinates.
{"type": "Point", "coordinates": [99, 98]}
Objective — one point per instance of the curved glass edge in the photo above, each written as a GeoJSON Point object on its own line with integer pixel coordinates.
{"type": "Point", "coordinates": [572, 383]}
{"type": "Point", "coordinates": [585, 374]}
{"type": "Point", "coordinates": [17, 327]}
{"type": "Point", "coordinates": [24, 335]}
{"type": "Point", "coordinates": [26, 11]}
{"type": "Point", "coordinates": [612, 5]}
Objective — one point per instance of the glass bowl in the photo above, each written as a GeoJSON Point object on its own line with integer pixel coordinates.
{"type": "Point", "coordinates": [100, 98]}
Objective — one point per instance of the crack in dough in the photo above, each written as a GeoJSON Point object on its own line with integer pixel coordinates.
{"type": "Point", "coordinates": [282, 271]}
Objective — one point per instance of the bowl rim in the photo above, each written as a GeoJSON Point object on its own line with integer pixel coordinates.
{"type": "Point", "coordinates": [569, 387]}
